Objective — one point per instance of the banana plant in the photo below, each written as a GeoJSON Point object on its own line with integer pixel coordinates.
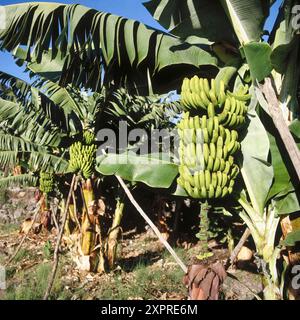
{"type": "Point", "coordinates": [248, 58]}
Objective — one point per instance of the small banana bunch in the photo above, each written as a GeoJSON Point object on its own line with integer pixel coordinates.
{"type": "Point", "coordinates": [200, 95]}
{"type": "Point", "coordinates": [209, 140]}
{"type": "Point", "coordinates": [88, 137]}
{"type": "Point", "coordinates": [46, 182]}
{"type": "Point", "coordinates": [82, 158]}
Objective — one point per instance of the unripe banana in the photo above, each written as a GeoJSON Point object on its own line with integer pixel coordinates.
{"type": "Point", "coordinates": [213, 97]}
{"type": "Point", "coordinates": [228, 137]}
{"type": "Point", "coordinates": [206, 87]}
{"type": "Point", "coordinates": [211, 110]}
{"type": "Point", "coordinates": [238, 107]}
{"type": "Point", "coordinates": [233, 105]}
{"type": "Point", "coordinates": [222, 132]}
{"type": "Point", "coordinates": [218, 192]}
{"type": "Point", "coordinates": [216, 166]}
{"type": "Point", "coordinates": [196, 193]}
{"type": "Point", "coordinates": [207, 178]}
{"type": "Point", "coordinates": [224, 179]}
{"type": "Point", "coordinates": [205, 135]}
{"type": "Point", "coordinates": [211, 192]}
{"type": "Point", "coordinates": [244, 97]}
{"type": "Point", "coordinates": [204, 122]}
{"type": "Point", "coordinates": [210, 126]}
{"type": "Point", "coordinates": [203, 192]}
{"type": "Point", "coordinates": [228, 119]}
{"type": "Point", "coordinates": [212, 150]}
{"type": "Point", "coordinates": [205, 152]}
{"type": "Point", "coordinates": [214, 179]}
{"type": "Point", "coordinates": [219, 153]}
{"type": "Point", "coordinates": [220, 177]}
{"type": "Point", "coordinates": [224, 192]}
{"type": "Point", "coordinates": [213, 86]}
{"type": "Point", "coordinates": [188, 187]}
{"type": "Point", "coordinates": [227, 167]}
{"type": "Point", "coordinates": [222, 164]}
{"type": "Point", "coordinates": [191, 123]}
{"type": "Point", "coordinates": [234, 172]}
{"type": "Point", "coordinates": [204, 98]}
{"type": "Point", "coordinates": [196, 180]}
{"type": "Point", "coordinates": [231, 160]}
{"type": "Point", "coordinates": [197, 124]}
{"type": "Point", "coordinates": [234, 135]}
{"type": "Point", "coordinates": [202, 179]}
{"type": "Point", "coordinates": [185, 85]}
{"type": "Point", "coordinates": [222, 95]}
{"type": "Point", "coordinates": [233, 120]}
{"type": "Point", "coordinates": [216, 124]}
{"type": "Point", "coordinates": [199, 136]}
{"type": "Point", "coordinates": [215, 136]}
{"type": "Point", "coordinates": [225, 152]}
{"type": "Point", "coordinates": [210, 163]}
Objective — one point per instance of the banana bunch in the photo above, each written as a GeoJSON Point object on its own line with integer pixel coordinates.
{"type": "Point", "coordinates": [209, 140]}
{"type": "Point", "coordinates": [46, 182]}
{"type": "Point", "coordinates": [206, 184]}
{"type": "Point", "coordinates": [207, 168]}
{"type": "Point", "coordinates": [88, 137]}
{"type": "Point", "coordinates": [200, 95]}
{"type": "Point", "coordinates": [234, 113]}
{"type": "Point", "coordinates": [82, 158]}
{"type": "Point", "coordinates": [209, 131]}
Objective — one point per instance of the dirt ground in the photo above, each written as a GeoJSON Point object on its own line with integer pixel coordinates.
{"type": "Point", "coordinates": [144, 271]}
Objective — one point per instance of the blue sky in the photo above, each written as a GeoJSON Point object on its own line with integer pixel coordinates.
{"type": "Point", "coordinates": [132, 9]}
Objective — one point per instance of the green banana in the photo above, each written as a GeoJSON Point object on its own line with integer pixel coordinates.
{"type": "Point", "coordinates": [207, 179]}
{"type": "Point", "coordinates": [202, 178]}
{"type": "Point", "coordinates": [211, 192]}
{"type": "Point", "coordinates": [205, 152]}
{"type": "Point", "coordinates": [216, 166]}
{"type": "Point", "coordinates": [210, 163]}
{"type": "Point", "coordinates": [211, 110]}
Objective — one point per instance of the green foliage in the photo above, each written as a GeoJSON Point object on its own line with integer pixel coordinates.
{"type": "Point", "coordinates": [140, 48]}
{"type": "Point", "coordinates": [292, 238]}
{"type": "Point", "coordinates": [258, 56]}
{"type": "Point", "coordinates": [20, 180]}
{"type": "Point", "coordinates": [231, 18]}
{"type": "Point", "coordinates": [156, 171]}
{"type": "Point", "coordinates": [33, 285]}
{"type": "Point", "coordinates": [48, 250]}
{"type": "Point", "coordinates": [145, 112]}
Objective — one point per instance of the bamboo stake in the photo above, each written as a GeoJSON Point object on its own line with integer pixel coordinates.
{"type": "Point", "coordinates": [239, 246]}
{"type": "Point", "coordinates": [279, 122]}
{"type": "Point", "coordinates": [53, 213]}
{"type": "Point", "coordinates": [59, 238]}
{"type": "Point", "coordinates": [152, 225]}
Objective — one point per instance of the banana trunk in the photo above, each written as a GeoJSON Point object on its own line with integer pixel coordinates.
{"type": "Point", "coordinates": [88, 241]}
{"type": "Point", "coordinates": [112, 242]}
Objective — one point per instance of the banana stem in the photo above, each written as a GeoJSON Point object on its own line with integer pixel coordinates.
{"type": "Point", "coordinates": [204, 225]}
{"type": "Point", "coordinates": [114, 232]}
